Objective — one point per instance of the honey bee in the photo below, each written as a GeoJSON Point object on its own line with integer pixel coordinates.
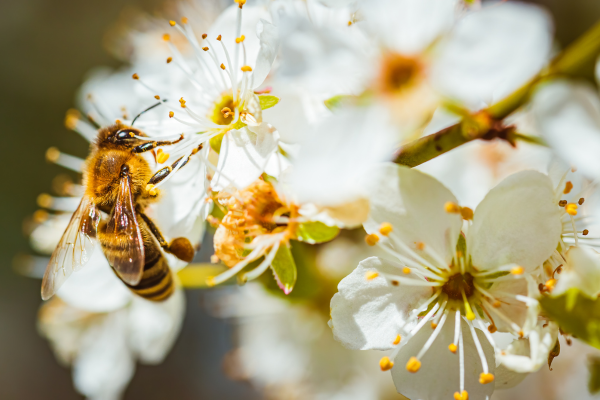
{"type": "Point", "coordinates": [118, 182]}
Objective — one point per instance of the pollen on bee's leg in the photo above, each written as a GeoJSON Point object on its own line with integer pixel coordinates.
{"type": "Point", "coordinates": [413, 365]}
{"type": "Point", "coordinates": [452, 347]}
{"type": "Point", "coordinates": [372, 239]}
{"type": "Point", "coordinates": [461, 396]}
{"type": "Point", "coordinates": [370, 275]}
{"type": "Point", "coordinates": [386, 364]}
{"type": "Point", "coordinates": [151, 189]}
{"type": "Point", "coordinates": [485, 378]}
{"type": "Point", "coordinates": [385, 228]}
{"type": "Point", "coordinates": [397, 340]}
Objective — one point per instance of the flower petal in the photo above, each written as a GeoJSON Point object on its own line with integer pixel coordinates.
{"type": "Point", "coordinates": [582, 271]}
{"type": "Point", "coordinates": [268, 35]}
{"type": "Point", "coordinates": [368, 314]}
{"type": "Point", "coordinates": [439, 375]}
{"type": "Point", "coordinates": [517, 222]}
{"type": "Point", "coordinates": [528, 355]}
{"type": "Point", "coordinates": [414, 203]}
{"type": "Point", "coordinates": [568, 116]}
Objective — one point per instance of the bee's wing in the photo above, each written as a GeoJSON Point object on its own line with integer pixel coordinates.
{"type": "Point", "coordinates": [127, 254]}
{"type": "Point", "coordinates": [74, 249]}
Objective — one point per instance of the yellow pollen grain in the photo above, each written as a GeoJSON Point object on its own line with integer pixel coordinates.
{"type": "Point", "coordinates": [171, 114]}
{"type": "Point", "coordinates": [452, 347]}
{"type": "Point", "coordinates": [372, 239]}
{"type": "Point", "coordinates": [162, 157]}
{"type": "Point", "coordinates": [517, 270]}
{"type": "Point", "coordinates": [246, 68]}
{"type": "Point", "coordinates": [151, 189]}
{"type": "Point", "coordinates": [184, 20]}
{"type": "Point", "coordinates": [451, 207]}
{"type": "Point", "coordinates": [370, 275]}
{"type": "Point", "coordinates": [568, 187]}
{"type": "Point", "coordinates": [571, 209]}
{"type": "Point", "coordinates": [166, 37]}
{"type": "Point", "coordinates": [135, 76]}
{"type": "Point", "coordinates": [223, 67]}
{"type": "Point", "coordinates": [385, 363]}
{"type": "Point", "coordinates": [406, 270]}
{"type": "Point", "coordinates": [485, 378]}
{"type": "Point", "coordinates": [397, 340]}
{"type": "Point", "coordinates": [240, 39]}
{"type": "Point", "coordinates": [386, 228]}
{"type": "Point", "coordinates": [169, 60]}
{"type": "Point", "coordinates": [466, 213]}
{"type": "Point", "coordinates": [172, 23]}
{"type": "Point", "coordinates": [413, 365]}
{"type": "Point", "coordinates": [461, 396]}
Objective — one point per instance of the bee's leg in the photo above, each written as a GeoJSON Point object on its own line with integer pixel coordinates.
{"type": "Point", "coordinates": [164, 172]}
{"type": "Point", "coordinates": [180, 247]}
{"type": "Point", "coordinates": [147, 146]}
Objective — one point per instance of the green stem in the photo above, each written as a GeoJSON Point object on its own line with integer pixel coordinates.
{"type": "Point", "coordinates": [431, 146]}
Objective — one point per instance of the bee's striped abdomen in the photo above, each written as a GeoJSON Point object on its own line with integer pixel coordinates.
{"type": "Point", "coordinates": [157, 282]}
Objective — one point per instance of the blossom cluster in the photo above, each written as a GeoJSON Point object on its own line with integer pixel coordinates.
{"type": "Point", "coordinates": [421, 173]}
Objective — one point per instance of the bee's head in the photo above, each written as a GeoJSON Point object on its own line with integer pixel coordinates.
{"type": "Point", "coordinates": [119, 135]}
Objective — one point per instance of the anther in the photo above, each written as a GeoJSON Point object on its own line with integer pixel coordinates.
{"type": "Point", "coordinates": [151, 189]}
{"type": "Point", "coordinates": [406, 270]}
{"type": "Point", "coordinates": [496, 304]}
{"type": "Point", "coordinates": [223, 67]}
{"type": "Point", "coordinates": [581, 200]}
{"type": "Point", "coordinates": [397, 340]}
{"type": "Point", "coordinates": [568, 187]}
{"type": "Point", "coordinates": [166, 37]}
{"type": "Point", "coordinates": [413, 365]}
{"type": "Point", "coordinates": [461, 396]}
{"type": "Point", "coordinates": [385, 228]}
{"type": "Point", "coordinates": [157, 97]}
{"type": "Point", "coordinates": [40, 216]}
{"type": "Point", "coordinates": [492, 328]}
{"type": "Point", "coordinates": [395, 283]}
{"type": "Point", "coordinates": [52, 154]}
{"type": "Point", "coordinates": [517, 270]}
{"type": "Point", "coordinates": [521, 334]}
{"type": "Point", "coordinates": [372, 239]}
{"type": "Point", "coordinates": [485, 378]}
{"type": "Point", "coordinates": [172, 23]}
{"type": "Point", "coordinates": [370, 275]}
{"type": "Point", "coordinates": [135, 76]}
{"type": "Point", "coordinates": [171, 114]}
{"type": "Point", "coordinates": [219, 38]}
{"type": "Point", "coordinates": [420, 245]}
{"type": "Point", "coordinates": [562, 203]}
{"type": "Point", "coordinates": [72, 118]}
{"type": "Point", "coordinates": [205, 48]}
{"type": "Point", "coordinates": [162, 157]}
{"type": "Point", "coordinates": [182, 102]}
{"type": "Point", "coordinates": [246, 68]}
{"type": "Point", "coordinates": [585, 232]}
{"type": "Point", "coordinates": [466, 213]}
{"type": "Point", "coordinates": [240, 2]}
{"type": "Point", "coordinates": [169, 60]}
{"type": "Point", "coordinates": [385, 364]}
{"type": "Point", "coordinates": [184, 20]}
{"type": "Point", "coordinates": [452, 347]}
{"type": "Point", "coordinates": [349, 23]}
{"type": "Point", "coordinates": [45, 200]}
{"type": "Point", "coordinates": [240, 39]}
{"type": "Point", "coordinates": [204, 36]}
{"type": "Point", "coordinates": [451, 207]}
{"type": "Point", "coordinates": [571, 209]}
{"type": "Point", "coordinates": [550, 283]}
{"type": "Point", "coordinates": [433, 325]}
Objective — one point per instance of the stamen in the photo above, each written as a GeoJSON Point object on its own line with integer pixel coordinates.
{"type": "Point", "coordinates": [468, 312]}
{"type": "Point", "coordinates": [385, 228]}
{"type": "Point", "coordinates": [466, 213]}
{"type": "Point", "coordinates": [169, 59]}
{"type": "Point", "coordinates": [406, 270]}
{"type": "Point", "coordinates": [397, 340]}
{"type": "Point", "coordinates": [433, 336]}
{"type": "Point", "coordinates": [162, 157]}
{"type": "Point", "coordinates": [413, 365]}
{"type": "Point", "coordinates": [461, 363]}
{"type": "Point", "coordinates": [385, 364]}
{"type": "Point", "coordinates": [64, 160]}
{"type": "Point", "coordinates": [372, 239]}
{"type": "Point", "coordinates": [452, 208]}
{"type": "Point", "coordinates": [571, 209]}
{"type": "Point", "coordinates": [461, 396]}
{"type": "Point", "coordinates": [452, 347]}
{"type": "Point", "coordinates": [370, 275]}
{"type": "Point", "coordinates": [266, 263]}
{"type": "Point", "coordinates": [581, 200]}
{"type": "Point", "coordinates": [172, 23]}
{"type": "Point", "coordinates": [485, 377]}
{"type": "Point", "coordinates": [568, 187]}
{"type": "Point", "coordinates": [517, 270]}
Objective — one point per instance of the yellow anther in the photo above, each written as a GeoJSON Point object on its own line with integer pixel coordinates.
{"type": "Point", "coordinates": [433, 325]}
{"type": "Point", "coordinates": [568, 187]}
{"type": "Point", "coordinates": [157, 97]}
{"type": "Point", "coordinates": [452, 347]}
{"type": "Point", "coordinates": [223, 67]}
{"type": "Point", "coordinates": [172, 23]}
{"type": "Point", "coordinates": [451, 207]}
{"type": "Point", "coordinates": [420, 245]}
{"type": "Point", "coordinates": [169, 60]}
{"type": "Point", "coordinates": [184, 20]}
{"type": "Point", "coordinates": [466, 213]}
{"type": "Point", "coordinates": [349, 23]}
{"type": "Point", "coordinates": [413, 365]}
{"type": "Point", "coordinates": [571, 208]}
{"type": "Point", "coordinates": [517, 270]}
{"type": "Point", "coordinates": [461, 396]}
{"type": "Point", "coordinates": [496, 304]}
{"type": "Point", "coordinates": [521, 334]}
{"type": "Point", "coordinates": [135, 76]}
{"type": "Point", "coordinates": [153, 191]}
{"type": "Point", "coordinates": [210, 282]}
{"type": "Point", "coordinates": [406, 270]}
{"type": "Point", "coordinates": [246, 68]}
{"type": "Point", "coordinates": [45, 200]}
{"type": "Point", "coordinates": [219, 38]}
{"type": "Point", "coordinates": [240, 39]}
{"type": "Point", "coordinates": [205, 48]}
{"type": "Point", "coordinates": [550, 283]}
{"type": "Point", "coordinates": [52, 154]}
{"type": "Point", "coordinates": [485, 378]}
{"type": "Point", "coordinates": [386, 228]}
{"type": "Point", "coordinates": [182, 102]}
{"type": "Point", "coordinates": [385, 364]}
{"type": "Point", "coordinates": [40, 216]}
{"type": "Point", "coordinates": [372, 239]}
{"type": "Point", "coordinates": [72, 118]}
{"type": "Point", "coordinates": [240, 2]}
{"type": "Point", "coordinates": [370, 275]}
{"type": "Point", "coordinates": [397, 340]}
{"type": "Point", "coordinates": [204, 36]}
{"type": "Point", "coordinates": [171, 114]}
{"type": "Point", "coordinates": [117, 121]}
{"type": "Point", "coordinates": [470, 315]}
{"type": "Point", "coordinates": [166, 37]}
{"type": "Point", "coordinates": [162, 157]}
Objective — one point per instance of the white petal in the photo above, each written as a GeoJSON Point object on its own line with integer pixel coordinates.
{"type": "Point", "coordinates": [514, 309]}
{"type": "Point", "coordinates": [439, 376]}
{"type": "Point", "coordinates": [529, 355]}
{"type": "Point", "coordinates": [413, 202]}
{"type": "Point", "coordinates": [154, 327]}
{"type": "Point", "coordinates": [95, 287]}
{"type": "Point", "coordinates": [582, 271]}
{"type": "Point", "coordinates": [568, 116]}
{"type": "Point", "coordinates": [494, 51]}
{"type": "Point", "coordinates": [268, 35]}
{"type": "Point", "coordinates": [517, 222]}
{"type": "Point", "coordinates": [369, 314]}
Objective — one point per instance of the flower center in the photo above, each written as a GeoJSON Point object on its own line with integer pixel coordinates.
{"type": "Point", "coordinates": [223, 110]}
{"type": "Point", "coordinates": [398, 71]}
{"type": "Point", "coordinates": [457, 284]}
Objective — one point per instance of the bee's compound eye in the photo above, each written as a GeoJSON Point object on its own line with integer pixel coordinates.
{"type": "Point", "coordinates": [124, 134]}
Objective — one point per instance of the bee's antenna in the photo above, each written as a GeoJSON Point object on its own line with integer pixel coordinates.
{"type": "Point", "coordinates": [147, 109]}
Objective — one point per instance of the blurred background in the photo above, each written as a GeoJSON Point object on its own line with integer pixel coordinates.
{"type": "Point", "coordinates": [47, 47]}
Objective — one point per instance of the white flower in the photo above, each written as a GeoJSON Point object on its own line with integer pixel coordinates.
{"type": "Point", "coordinates": [457, 284]}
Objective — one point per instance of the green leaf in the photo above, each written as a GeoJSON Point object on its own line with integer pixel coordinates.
{"type": "Point", "coordinates": [594, 383]}
{"type": "Point", "coordinates": [267, 101]}
{"type": "Point", "coordinates": [284, 269]}
{"type": "Point", "coordinates": [576, 314]}
{"type": "Point", "coordinates": [316, 232]}
{"type": "Point", "coordinates": [336, 101]}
